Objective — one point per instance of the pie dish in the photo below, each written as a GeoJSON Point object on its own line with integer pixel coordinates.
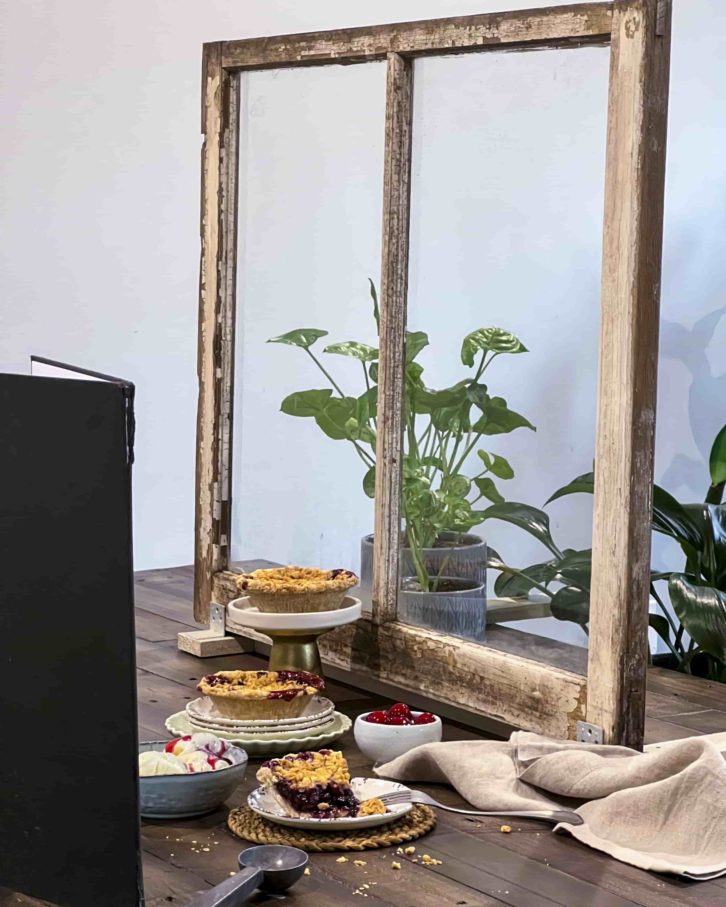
{"type": "Point", "coordinates": [295, 589]}
{"type": "Point", "coordinates": [316, 785]}
{"type": "Point", "coordinates": [260, 694]}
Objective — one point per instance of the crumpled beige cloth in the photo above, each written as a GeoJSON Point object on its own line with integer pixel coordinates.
{"type": "Point", "coordinates": [663, 809]}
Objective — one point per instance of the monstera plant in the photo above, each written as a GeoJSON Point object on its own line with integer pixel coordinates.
{"type": "Point", "coordinates": [697, 591]}
{"type": "Point", "coordinates": [442, 428]}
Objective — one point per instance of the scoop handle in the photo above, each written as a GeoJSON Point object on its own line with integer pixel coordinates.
{"type": "Point", "coordinates": [232, 891]}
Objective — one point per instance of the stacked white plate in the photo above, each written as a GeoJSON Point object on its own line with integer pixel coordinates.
{"type": "Point", "coordinates": [319, 726]}
{"type": "Point", "coordinates": [319, 713]}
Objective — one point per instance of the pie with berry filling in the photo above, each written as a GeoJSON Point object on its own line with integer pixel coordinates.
{"type": "Point", "coordinates": [315, 785]}
{"type": "Point", "coordinates": [296, 589]}
{"type": "Point", "coordinates": [260, 694]}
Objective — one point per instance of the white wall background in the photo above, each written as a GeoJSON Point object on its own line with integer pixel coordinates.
{"type": "Point", "coordinates": [100, 175]}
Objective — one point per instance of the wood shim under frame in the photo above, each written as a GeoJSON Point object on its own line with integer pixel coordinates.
{"type": "Point", "coordinates": [515, 690]}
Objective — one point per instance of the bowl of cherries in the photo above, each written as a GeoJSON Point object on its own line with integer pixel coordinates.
{"type": "Point", "coordinates": [384, 734]}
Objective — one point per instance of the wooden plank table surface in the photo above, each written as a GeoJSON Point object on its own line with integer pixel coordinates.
{"type": "Point", "coordinates": [480, 865]}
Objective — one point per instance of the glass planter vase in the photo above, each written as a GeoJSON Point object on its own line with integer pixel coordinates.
{"type": "Point", "coordinates": [458, 564]}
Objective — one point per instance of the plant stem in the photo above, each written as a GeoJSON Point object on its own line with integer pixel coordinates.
{"type": "Point", "coordinates": [325, 372]}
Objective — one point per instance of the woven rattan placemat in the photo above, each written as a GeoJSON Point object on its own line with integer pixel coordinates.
{"type": "Point", "coordinates": [246, 824]}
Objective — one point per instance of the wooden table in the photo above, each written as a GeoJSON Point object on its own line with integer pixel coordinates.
{"type": "Point", "coordinates": [480, 865]}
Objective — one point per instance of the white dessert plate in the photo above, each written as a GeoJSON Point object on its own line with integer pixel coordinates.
{"type": "Point", "coordinates": [264, 804]}
{"type": "Point", "coordinates": [178, 725]}
{"type": "Point", "coordinates": [266, 733]}
{"type": "Point", "coordinates": [241, 612]}
{"type": "Point", "coordinates": [202, 711]}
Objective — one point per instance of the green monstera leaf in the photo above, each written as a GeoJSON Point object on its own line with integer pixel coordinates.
{"type": "Point", "coordinates": [302, 337]}
{"type": "Point", "coordinates": [702, 611]}
{"type": "Point", "coordinates": [335, 417]}
{"type": "Point", "coordinates": [306, 403]}
{"type": "Point", "coordinates": [352, 348]}
{"type": "Point", "coordinates": [494, 340]}
{"type": "Point", "coordinates": [415, 342]}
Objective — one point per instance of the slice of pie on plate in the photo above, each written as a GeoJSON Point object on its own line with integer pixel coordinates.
{"type": "Point", "coordinates": [315, 785]}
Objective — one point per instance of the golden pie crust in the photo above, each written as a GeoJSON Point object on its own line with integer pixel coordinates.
{"type": "Point", "coordinates": [260, 694]}
{"type": "Point", "coordinates": [296, 589]}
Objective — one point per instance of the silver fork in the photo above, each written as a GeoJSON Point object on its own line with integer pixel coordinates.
{"type": "Point", "coordinates": [549, 815]}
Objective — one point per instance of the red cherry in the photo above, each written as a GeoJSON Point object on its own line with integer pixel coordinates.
{"type": "Point", "coordinates": [398, 719]}
{"type": "Point", "coordinates": [425, 718]}
{"type": "Point", "coordinates": [376, 718]}
{"type": "Point", "coordinates": [399, 710]}
{"type": "Point", "coordinates": [171, 744]}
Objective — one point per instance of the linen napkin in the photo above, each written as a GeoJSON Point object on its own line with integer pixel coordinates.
{"type": "Point", "coordinates": [662, 810]}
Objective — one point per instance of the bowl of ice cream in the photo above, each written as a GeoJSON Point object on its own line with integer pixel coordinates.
{"type": "Point", "coordinates": [188, 776]}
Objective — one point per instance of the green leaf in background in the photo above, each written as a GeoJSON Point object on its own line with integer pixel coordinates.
{"type": "Point", "coordinates": [582, 484]}
{"type": "Point", "coordinates": [487, 487]}
{"type": "Point", "coordinates": [352, 348]}
{"type": "Point", "coordinates": [334, 418]}
{"type": "Point", "coordinates": [717, 459]}
{"type": "Point", "coordinates": [369, 482]}
{"type": "Point", "coordinates": [702, 611]}
{"type": "Point", "coordinates": [478, 395]}
{"type": "Point", "coordinates": [661, 626]}
{"type": "Point", "coordinates": [415, 342]}
{"type": "Point", "coordinates": [456, 486]}
{"type": "Point", "coordinates": [493, 340]}
{"type": "Point", "coordinates": [302, 337]}
{"type": "Point", "coordinates": [373, 371]}
{"type": "Point", "coordinates": [376, 310]}
{"type": "Point", "coordinates": [509, 585]}
{"type": "Point", "coordinates": [572, 604]}
{"type": "Point", "coordinates": [532, 520]}
{"type": "Point", "coordinates": [575, 568]}
{"type": "Point", "coordinates": [306, 403]}
{"type": "Point", "coordinates": [496, 465]}
{"type": "Point", "coordinates": [498, 419]}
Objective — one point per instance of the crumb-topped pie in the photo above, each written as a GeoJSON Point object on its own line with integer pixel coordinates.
{"type": "Point", "coordinates": [296, 589]}
{"type": "Point", "coordinates": [316, 785]}
{"type": "Point", "coordinates": [260, 694]}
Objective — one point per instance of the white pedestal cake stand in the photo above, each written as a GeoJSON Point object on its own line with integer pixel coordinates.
{"type": "Point", "coordinates": [294, 636]}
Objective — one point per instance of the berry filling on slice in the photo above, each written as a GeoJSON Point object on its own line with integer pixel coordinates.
{"type": "Point", "coordinates": [311, 784]}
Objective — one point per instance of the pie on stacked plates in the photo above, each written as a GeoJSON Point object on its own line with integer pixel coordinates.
{"type": "Point", "coordinates": [315, 785]}
{"type": "Point", "coordinates": [260, 694]}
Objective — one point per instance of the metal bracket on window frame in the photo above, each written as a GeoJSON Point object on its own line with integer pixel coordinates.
{"type": "Point", "coordinates": [589, 733]}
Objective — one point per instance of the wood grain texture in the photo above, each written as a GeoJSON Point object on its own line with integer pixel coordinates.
{"type": "Point", "coordinates": [392, 335]}
{"type": "Point", "coordinates": [559, 26]}
{"type": "Point", "coordinates": [220, 126]}
{"type": "Point", "coordinates": [632, 241]}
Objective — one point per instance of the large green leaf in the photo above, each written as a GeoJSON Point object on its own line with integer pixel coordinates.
{"type": "Point", "coordinates": [487, 487]}
{"type": "Point", "coordinates": [575, 568]}
{"type": "Point", "coordinates": [513, 585]}
{"type": "Point", "coordinates": [495, 340]}
{"type": "Point", "coordinates": [498, 419]}
{"type": "Point", "coordinates": [415, 342]}
{"type": "Point", "coordinates": [532, 520]}
{"type": "Point", "coordinates": [306, 403]}
{"type": "Point", "coordinates": [717, 459]}
{"type": "Point", "coordinates": [302, 337]}
{"type": "Point", "coordinates": [584, 483]}
{"type": "Point", "coordinates": [496, 464]}
{"type": "Point", "coordinates": [429, 400]}
{"type": "Point", "coordinates": [333, 420]}
{"type": "Point", "coordinates": [702, 611]}
{"type": "Point", "coordinates": [478, 395]}
{"type": "Point", "coordinates": [352, 348]}
{"type": "Point", "coordinates": [572, 604]}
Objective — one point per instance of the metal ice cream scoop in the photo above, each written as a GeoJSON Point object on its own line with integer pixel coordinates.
{"type": "Point", "coordinates": [272, 867]}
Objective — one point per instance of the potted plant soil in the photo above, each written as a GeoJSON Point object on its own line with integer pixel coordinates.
{"type": "Point", "coordinates": [443, 564]}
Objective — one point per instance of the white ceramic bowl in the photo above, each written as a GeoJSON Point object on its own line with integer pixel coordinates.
{"type": "Point", "coordinates": [179, 796]}
{"type": "Point", "coordinates": [383, 742]}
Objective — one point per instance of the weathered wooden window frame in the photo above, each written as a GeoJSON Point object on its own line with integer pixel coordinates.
{"type": "Point", "coordinates": [507, 687]}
